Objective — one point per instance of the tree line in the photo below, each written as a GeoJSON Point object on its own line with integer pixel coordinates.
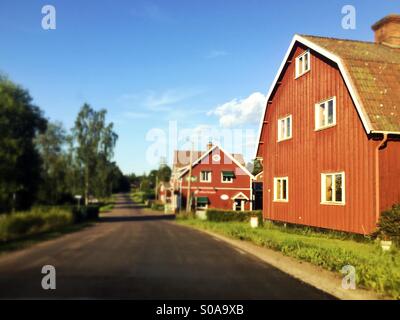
{"type": "Point", "coordinates": [43, 163]}
{"type": "Point", "coordinates": [147, 183]}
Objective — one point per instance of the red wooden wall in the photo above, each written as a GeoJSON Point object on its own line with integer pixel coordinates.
{"type": "Point", "coordinates": [214, 190]}
{"type": "Point", "coordinates": [389, 163]}
{"type": "Point", "coordinates": [344, 147]}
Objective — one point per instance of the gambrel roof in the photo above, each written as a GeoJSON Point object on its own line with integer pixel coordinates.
{"type": "Point", "coordinates": [371, 72]}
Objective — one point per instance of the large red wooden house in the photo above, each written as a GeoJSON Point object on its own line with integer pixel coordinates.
{"type": "Point", "coordinates": [330, 135]}
{"type": "Point", "coordinates": [218, 180]}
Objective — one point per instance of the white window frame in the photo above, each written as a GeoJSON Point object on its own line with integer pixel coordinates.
{"type": "Point", "coordinates": [323, 188]}
{"type": "Point", "coordinates": [299, 73]}
{"type": "Point", "coordinates": [201, 208]}
{"type": "Point", "coordinates": [318, 126]}
{"type": "Point", "coordinates": [242, 204]}
{"type": "Point", "coordinates": [222, 178]}
{"type": "Point", "coordinates": [280, 199]}
{"type": "Point", "coordinates": [209, 176]}
{"type": "Point", "coordinates": [286, 136]}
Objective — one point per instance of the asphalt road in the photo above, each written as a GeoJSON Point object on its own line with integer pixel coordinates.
{"type": "Point", "coordinates": [134, 255]}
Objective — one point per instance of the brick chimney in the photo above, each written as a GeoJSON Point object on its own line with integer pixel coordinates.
{"type": "Point", "coordinates": [387, 31]}
{"type": "Point", "coordinates": [209, 145]}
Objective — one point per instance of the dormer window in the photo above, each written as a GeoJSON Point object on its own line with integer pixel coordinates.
{"type": "Point", "coordinates": [302, 64]}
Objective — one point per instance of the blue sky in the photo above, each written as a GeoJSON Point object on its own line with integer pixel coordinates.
{"type": "Point", "coordinates": [200, 64]}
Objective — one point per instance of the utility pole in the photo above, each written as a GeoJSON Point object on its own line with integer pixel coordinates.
{"type": "Point", "coordinates": [161, 166]}
{"type": "Point", "coordinates": [189, 195]}
{"type": "Point", "coordinates": [156, 187]}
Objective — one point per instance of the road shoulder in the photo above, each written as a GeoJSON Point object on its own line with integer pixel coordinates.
{"type": "Point", "coordinates": [315, 276]}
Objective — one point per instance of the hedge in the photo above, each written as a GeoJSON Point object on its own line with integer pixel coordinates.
{"type": "Point", "coordinates": [218, 215]}
{"type": "Point", "coordinates": [90, 212]}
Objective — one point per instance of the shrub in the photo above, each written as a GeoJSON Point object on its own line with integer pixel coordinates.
{"type": "Point", "coordinates": [217, 215]}
{"type": "Point", "coordinates": [157, 206]}
{"type": "Point", "coordinates": [138, 197]}
{"type": "Point", "coordinates": [389, 225]}
{"type": "Point", "coordinates": [36, 221]}
{"type": "Point", "coordinates": [90, 212]}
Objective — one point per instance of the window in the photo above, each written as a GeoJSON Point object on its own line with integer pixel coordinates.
{"type": "Point", "coordinates": [285, 128]}
{"type": "Point", "coordinates": [333, 188]}
{"type": "Point", "coordinates": [303, 64]}
{"type": "Point", "coordinates": [205, 176]}
{"type": "Point", "coordinates": [238, 205]}
{"type": "Point", "coordinates": [227, 176]}
{"type": "Point", "coordinates": [325, 114]}
{"type": "Point", "coordinates": [202, 202]}
{"type": "Point", "coordinates": [281, 189]}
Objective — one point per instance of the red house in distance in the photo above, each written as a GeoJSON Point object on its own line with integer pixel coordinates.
{"type": "Point", "coordinates": [219, 180]}
{"type": "Point", "coordinates": [330, 135]}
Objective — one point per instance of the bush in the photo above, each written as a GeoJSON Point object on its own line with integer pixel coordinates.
{"type": "Point", "coordinates": [138, 197]}
{"type": "Point", "coordinates": [90, 212]}
{"type": "Point", "coordinates": [389, 225]}
{"type": "Point", "coordinates": [157, 206]}
{"type": "Point", "coordinates": [217, 215]}
{"type": "Point", "coordinates": [36, 221]}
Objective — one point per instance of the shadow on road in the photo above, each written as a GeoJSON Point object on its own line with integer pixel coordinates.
{"type": "Point", "coordinates": [137, 218]}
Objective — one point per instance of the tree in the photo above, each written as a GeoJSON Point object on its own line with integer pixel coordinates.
{"type": "Point", "coordinates": [257, 167]}
{"type": "Point", "coordinates": [51, 145]}
{"type": "Point", "coordinates": [120, 182]}
{"type": "Point", "coordinates": [164, 173]}
{"type": "Point", "coordinates": [20, 122]}
{"type": "Point", "coordinates": [95, 142]}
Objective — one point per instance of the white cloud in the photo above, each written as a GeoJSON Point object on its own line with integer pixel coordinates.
{"type": "Point", "coordinates": [136, 115]}
{"type": "Point", "coordinates": [216, 54]}
{"type": "Point", "coordinates": [155, 101]}
{"type": "Point", "coordinates": [238, 112]}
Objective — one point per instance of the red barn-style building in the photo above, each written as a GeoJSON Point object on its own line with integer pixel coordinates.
{"type": "Point", "coordinates": [330, 135]}
{"type": "Point", "coordinates": [219, 180]}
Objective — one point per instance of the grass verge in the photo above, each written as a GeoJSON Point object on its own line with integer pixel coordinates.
{"type": "Point", "coordinates": [38, 220]}
{"type": "Point", "coordinates": [28, 241]}
{"type": "Point", "coordinates": [375, 270]}
{"type": "Point", "coordinates": [107, 204]}
{"type": "Point", "coordinates": [107, 207]}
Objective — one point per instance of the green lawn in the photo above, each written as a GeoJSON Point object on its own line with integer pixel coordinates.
{"type": "Point", "coordinates": [375, 269]}
{"type": "Point", "coordinates": [107, 204]}
{"type": "Point", "coordinates": [107, 207]}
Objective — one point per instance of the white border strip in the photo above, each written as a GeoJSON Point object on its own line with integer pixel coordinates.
{"type": "Point", "coordinates": [225, 153]}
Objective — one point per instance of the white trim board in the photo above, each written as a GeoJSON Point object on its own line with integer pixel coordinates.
{"type": "Point", "coordinates": [197, 161]}
{"type": "Point", "coordinates": [242, 196]}
{"type": "Point", "coordinates": [215, 188]}
{"type": "Point", "coordinates": [347, 79]}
